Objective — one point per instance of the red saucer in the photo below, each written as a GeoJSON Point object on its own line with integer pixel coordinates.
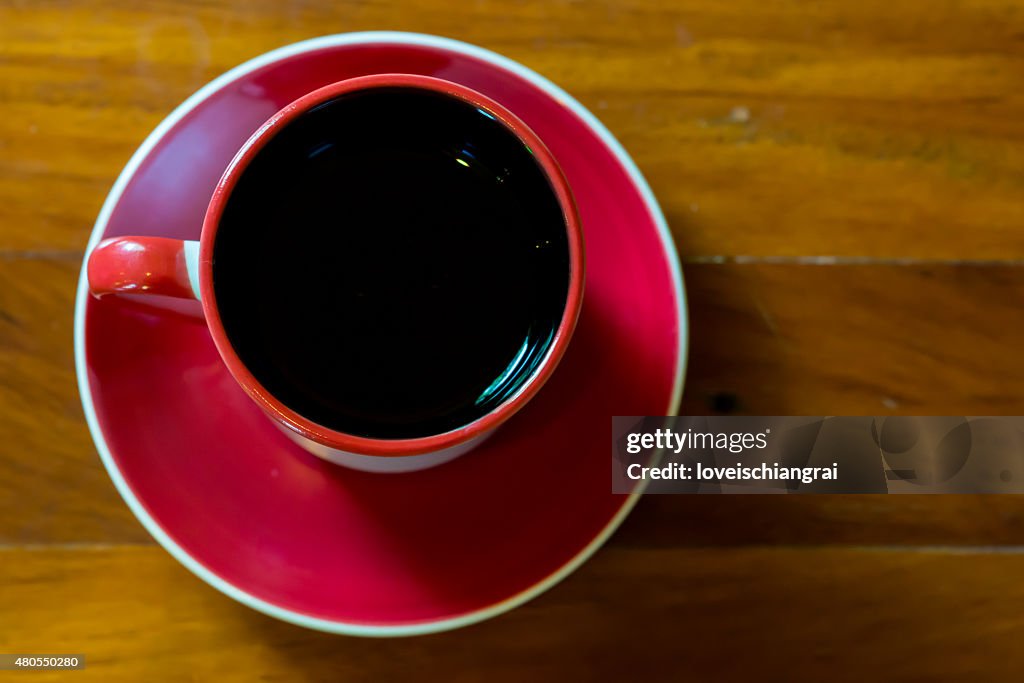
{"type": "Point", "coordinates": [351, 552]}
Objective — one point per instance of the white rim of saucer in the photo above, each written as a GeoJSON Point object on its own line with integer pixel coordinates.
{"type": "Point", "coordinates": [288, 51]}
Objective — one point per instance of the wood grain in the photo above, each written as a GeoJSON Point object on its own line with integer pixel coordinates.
{"type": "Point", "coordinates": [765, 128]}
{"type": "Point", "coordinates": [856, 339]}
{"type": "Point", "coordinates": [780, 614]}
{"type": "Point", "coordinates": [52, 486]}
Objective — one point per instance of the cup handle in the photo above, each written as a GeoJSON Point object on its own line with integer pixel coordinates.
{"type": "Point", "coordinates": [145, 265]}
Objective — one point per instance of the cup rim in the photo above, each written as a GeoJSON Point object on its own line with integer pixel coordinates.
{"type": "Point", "coordinates": [369, 445]}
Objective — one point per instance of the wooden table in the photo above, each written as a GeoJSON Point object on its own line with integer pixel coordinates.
{"type": "Point", "coordinates": [845, 181]}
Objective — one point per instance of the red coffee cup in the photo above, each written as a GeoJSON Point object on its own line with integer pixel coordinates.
{"type": "Point", "coordinates": [184, 269]}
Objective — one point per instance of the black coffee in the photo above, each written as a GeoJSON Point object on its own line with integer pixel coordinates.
{"type": "Point", "coordinates": [392, 264]}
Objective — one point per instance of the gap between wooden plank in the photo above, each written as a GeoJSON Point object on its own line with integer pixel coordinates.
{"type": "Point", "coordinates": [739, 259]}
{"type": "Point", "coordinates": [845, 261]}
{"type": "Point", "coordinates": [612, 546]}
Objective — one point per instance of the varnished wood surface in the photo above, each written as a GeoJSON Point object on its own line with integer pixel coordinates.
{"type": "Point", "coordinates": [774, 614]}
{"type": "Point", "coordinates": [845, 182]}
{"type": "Point", "coordinates": [867, 128]}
